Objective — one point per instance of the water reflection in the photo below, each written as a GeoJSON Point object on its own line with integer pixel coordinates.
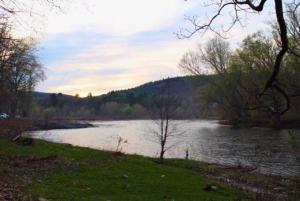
{"type": "Point", "coordinates": [206, 140]}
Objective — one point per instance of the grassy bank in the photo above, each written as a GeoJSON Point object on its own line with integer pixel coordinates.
{"type": "Point", "coordinates": [62, 172]}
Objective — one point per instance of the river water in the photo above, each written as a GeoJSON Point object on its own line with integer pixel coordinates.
{"type": "Point", "coordinates": [208, 141]}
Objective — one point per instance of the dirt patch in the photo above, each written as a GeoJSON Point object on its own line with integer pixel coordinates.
{"type": "Point", "coordinates": [259, 186]}
{"type": "Point", "coordinates": [9, 192]}
{"type": "Point", "coordinates": [19, 171]}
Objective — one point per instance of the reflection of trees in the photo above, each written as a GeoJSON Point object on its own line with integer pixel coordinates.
{"type": "Point", "coordinates": [267, 149]}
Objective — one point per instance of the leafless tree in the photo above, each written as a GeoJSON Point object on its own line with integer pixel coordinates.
{"type": "Point", "coordinates": [164, 107]}
{"type": "Point", "coordinates": [12, 8]}
{"type": "Point", "coordinates": [213, 58]}
{"type": "Point", "coordinates": [293, 27]}
{"type": "Point", "coordinates": [20, 70]}
{"type": "Point", "coordinates": [14, 12]}
{"type": "Point", "coordinates": [120, 142]}
{"type": "Point", "coordinates": [238, 7]}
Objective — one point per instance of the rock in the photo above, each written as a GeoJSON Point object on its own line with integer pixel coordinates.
{"type": "Point", "coordinates": [42, 199]}
{"type": "Point", "coordinates": [124, 176]}
{"type": "Point", "coordinates": [210, 188]}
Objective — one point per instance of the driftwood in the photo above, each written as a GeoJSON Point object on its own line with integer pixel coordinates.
{"type": "Point", "coordinates": [19, 139]}
{"type": "Point", "coordinates": [238, 167]}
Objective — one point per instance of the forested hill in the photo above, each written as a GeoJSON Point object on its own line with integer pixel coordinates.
{"type": "Point", "coordinates": [179, 86]}
{"type": "Point", "coordinates": [130, 103]}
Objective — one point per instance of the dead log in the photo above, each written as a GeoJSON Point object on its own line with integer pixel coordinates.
{"type": "Point", "coordinates": [20, 140]}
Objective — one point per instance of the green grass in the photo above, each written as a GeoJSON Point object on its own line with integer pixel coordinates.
{"type": "Point", "coordinates": [93, 175]}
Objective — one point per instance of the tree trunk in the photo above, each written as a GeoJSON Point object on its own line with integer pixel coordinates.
{"type": "Point", "coordinates": [276, 120]}
{"type": "Point", "coordinates": [13, 108]}
{"type": "Point", "coordinates": [161, 156]}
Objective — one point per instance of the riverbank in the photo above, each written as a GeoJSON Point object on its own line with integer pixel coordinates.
{"type": "Point", "coordinates": [13, 127]}
{"type": "Point", "coordinates": [50, 171]}
{"type": "Point", "coordinates": [284, 124]}
{"type": "Point", "coordinates": [60, 124]}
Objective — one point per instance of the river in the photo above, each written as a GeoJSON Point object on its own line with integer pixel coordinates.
{"type": "Point", "coordinates": [267, 149]}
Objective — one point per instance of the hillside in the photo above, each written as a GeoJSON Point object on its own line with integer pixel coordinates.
{"type": "Point", "coordinates": [129, 103]}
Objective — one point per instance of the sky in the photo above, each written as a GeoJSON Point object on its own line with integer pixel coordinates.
{"type": "Point", "coordinates": [102, 45]}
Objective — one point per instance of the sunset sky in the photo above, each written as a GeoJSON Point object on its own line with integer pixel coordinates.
{"type": "Point", "coordinates": [102, 45]}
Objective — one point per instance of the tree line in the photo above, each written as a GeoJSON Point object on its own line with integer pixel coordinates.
{"type": "Point", "coordinates": [20, 68]}
{"type": "Point", "coordinates": [20, 71]}
{"type": "Point", "coordinates": [238, 90]}
{"type": "Point", "coordinates": [135, 103]}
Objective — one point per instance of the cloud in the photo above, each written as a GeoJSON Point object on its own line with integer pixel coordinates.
{"type": "Point", "coordinates": [112, 17]}
{"type": "Point", "coordinates": [102, 45]}
{"type": "Point", "coordinates": [115, 64]}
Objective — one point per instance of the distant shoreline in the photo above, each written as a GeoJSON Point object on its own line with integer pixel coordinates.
{"type": "Point", "coordinates": [285, 124]}
{"type": "Point", "coordinates": [66, 124]}
{"type": "Point", "coordinates": [76, 124]}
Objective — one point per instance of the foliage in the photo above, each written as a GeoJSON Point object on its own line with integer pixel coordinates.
{"type": "Point", "coordinates": [124, 104]}
{"type": "Point", "coordinates": [237, 91]}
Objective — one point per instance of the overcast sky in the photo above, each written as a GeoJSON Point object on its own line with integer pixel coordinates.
{"type": "Point", "coordinates": [102, 45]}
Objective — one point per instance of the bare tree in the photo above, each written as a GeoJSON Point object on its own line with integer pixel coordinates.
{"type": "Point", "coordinates": [13, 8]}
{"type": "Point", "coordinates": [163, 110]}
{"type": "Point", "coordinates": [20, 70]}
{"type": "Point", "coordinates": [18, 13]}
{"type": "Point", "coordinates": [213, 58]}
{"type": "Point", "coordinates": [120, 142]}
{"type": "Point", "coordinates": [238, 7]}
{"type": "Point", "coordinates": [293, 24]}
{"type": "Point", "coordinates": [25, 72]}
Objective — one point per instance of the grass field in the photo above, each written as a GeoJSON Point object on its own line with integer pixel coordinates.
{"type": "Point", "coordinates": [65, 173]}
{"type": "Point", "coordinates": [62, 172]}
